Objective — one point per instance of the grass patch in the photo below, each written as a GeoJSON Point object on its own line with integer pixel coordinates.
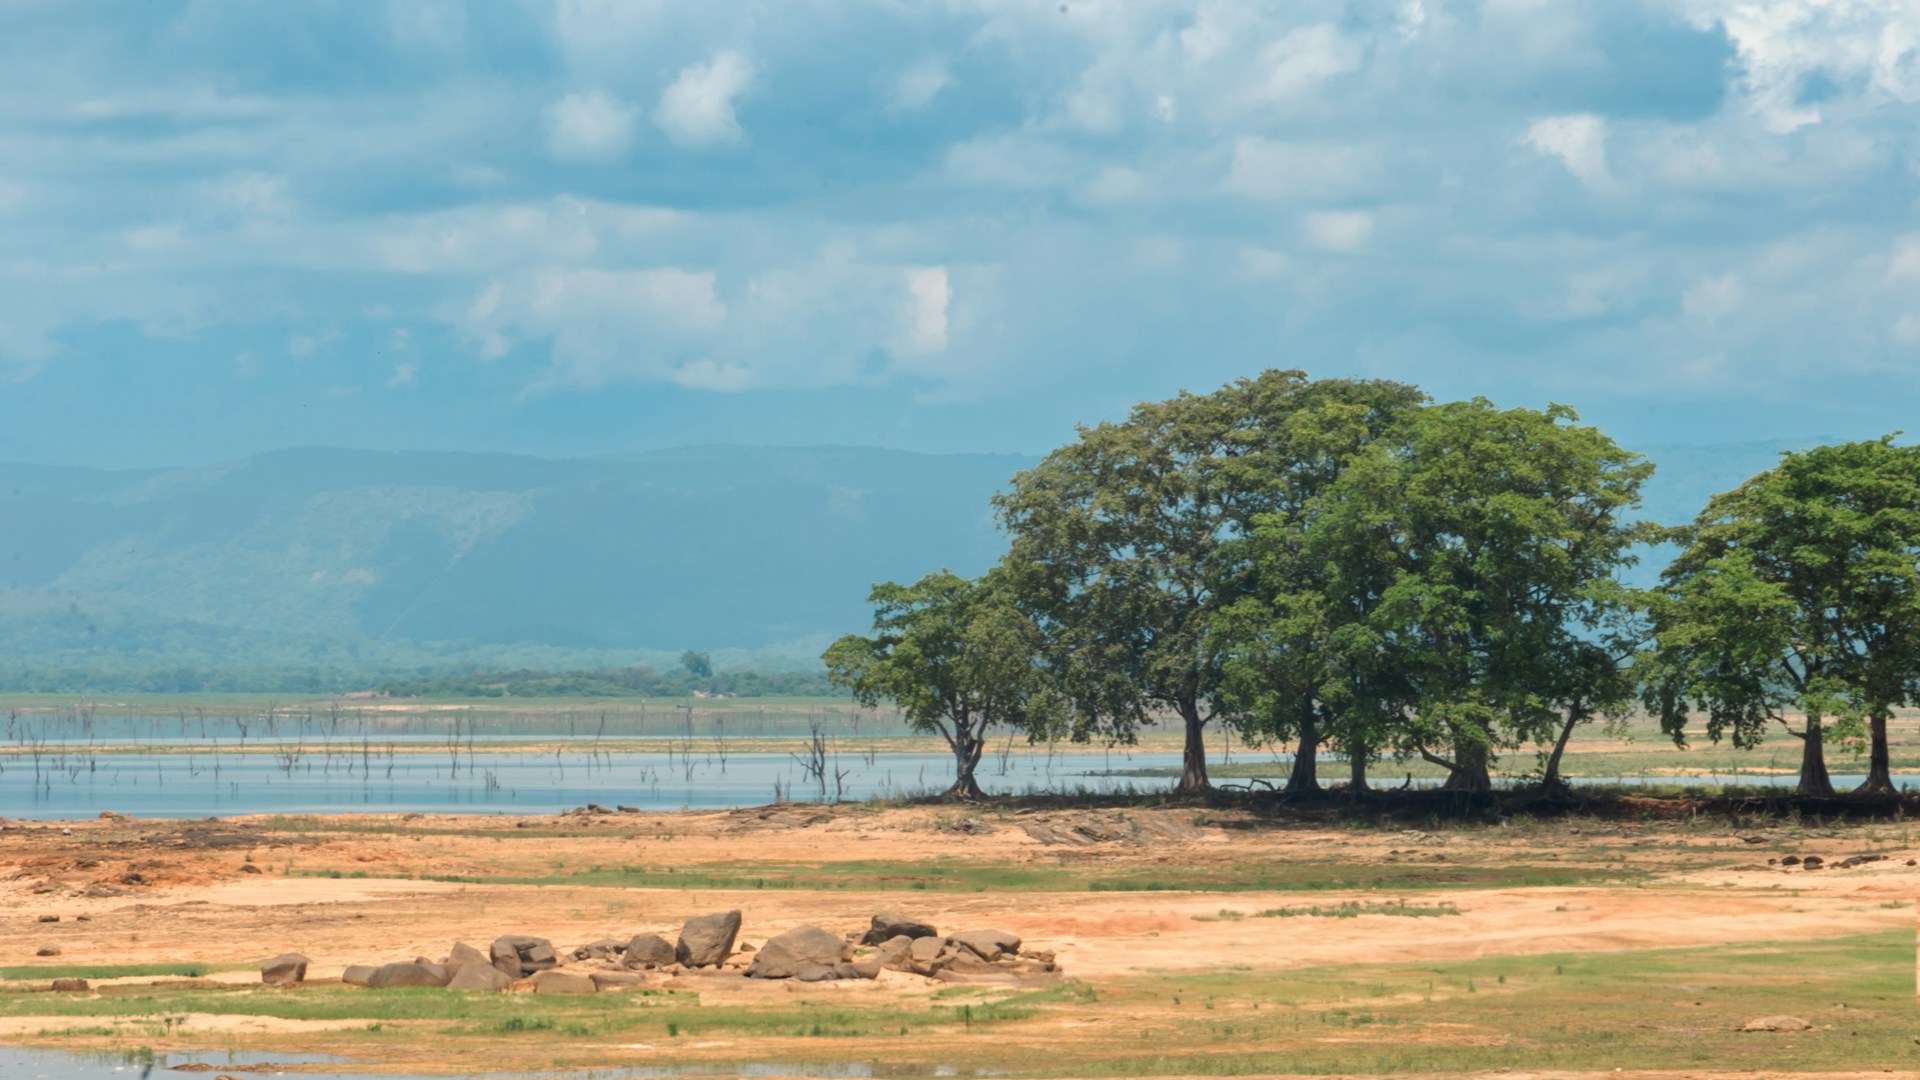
{"type": "Point", "coordinates": [107, 971]}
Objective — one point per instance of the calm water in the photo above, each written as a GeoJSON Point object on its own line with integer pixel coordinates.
{"type": "Point", "coordinates": [323, 777]}
{"type": "Point", "coordinates": [344, 779]}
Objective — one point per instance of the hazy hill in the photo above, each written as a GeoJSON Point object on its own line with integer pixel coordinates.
{"type": "Point", "coordinates": [704, 547]}
{"type": "Point", "coordinates": [354, 558]}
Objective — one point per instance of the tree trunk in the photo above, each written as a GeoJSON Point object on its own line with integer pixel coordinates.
{"type": "Point", "coordinates": [1305, 778]}
{"type": "Point", "coordinates": [968, 744]}
{"type": "Point", "coordinates": [1879, 762]}
{"type": "Point", "coordinates": [1193, 763]}
{"type": "Point", "coordinates": [1551, 778]}
{"type": "Point", "coordinates": [1468, 770]}
{"type": "Point", "coordinates": [1356, 769]}
{"type": "Point", "coordinates": [1813, 761]}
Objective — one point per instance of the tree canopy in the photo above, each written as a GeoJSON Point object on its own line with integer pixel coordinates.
{"type": "Point", "coordinates": [1798, 590]}
{"type": "Point", "coordinates": [957, 657]}
{"type": "Point", "coordinates": [1472, 559]}
{"type": "Point", "coordinates": [1125, 542]}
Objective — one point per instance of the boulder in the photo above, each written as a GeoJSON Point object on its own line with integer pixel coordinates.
{"type": "Point", "coordinates": [562, 982]}
{"type": "Point", "coordinates": [783, 956]}
{"type": "Point", "coordinates": [518, 956]}
{"type": "Point", "coordinates": [858, 969]}
{"type": "Point", "coordinates": [988, 945]}
{"type": "Point", "coordinates": [1777, 1023]}
{"type": "Point", "coordinates": [70, 985]}
{"type": "Point", "coordinates": [615, 980]}
{"type": "Point", "coordinates": [287, 969]}
{"type": "Point", "coordinates": [647, 950]}
{"type": "Point", "coordinates": [463, 955]}
{"type": "Point", "coordinates": [706, 941]}
{"type": "Point", "coordinates": [895, 955]}
{"type": "Point", "coordinates": [604, 949]}
{"type": "Point", "coordinates": [886, 927]}
{"type": "Point", "coordinates": [1812, 862]}
{"type": "Point", "coordinates": [47, 950]}
{"type": "Point", "coordinates": [926, 950]}
{"type": "Point", "coordinates": [812, 972]}
{"type": "Point", "coordinates": [358, 974]}
{"type": "Point", "coordinates": [479, 978]}
{"type": "Point", "coordinates": [392, 976]}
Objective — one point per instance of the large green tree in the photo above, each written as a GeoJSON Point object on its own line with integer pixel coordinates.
{"type": "Point", "coordinates": [1799, 591]}
{"type": "Point", "coordinates": [1125, 549]}
{"type": "Point", "coordinates": [957, 657]}
{"type": "Point", "coordinates": [1472, 558]}
{"type": "Point", "coordinates": [1286, 670]}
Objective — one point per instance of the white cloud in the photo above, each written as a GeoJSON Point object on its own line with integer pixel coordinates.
{"type": "Point", "coordinates": [1010, 161]}
{"type": "Point", "coordinates": [1712, 299]}
{"type": "Point", "coordinates": [925, 331]}
{"type": "Point", "coordinates": [404, 374]}
{"type": "Point", "coordinates": [301, 346]}
{"type": "Point", "coordinates": [1338, 230]}
{"type": "Point", "coordinates": [1303, 60]}
{"type": "Point", "coordinates": [917, 86]}
{"type": "Point", "coordinates": [1266, 169]}
{"type": "Point", "coordinates": [697, 110]}
{"type": "Point", "coordinates": [1579, 141]}
{"type": "Point", "coordinates": [589, 127]}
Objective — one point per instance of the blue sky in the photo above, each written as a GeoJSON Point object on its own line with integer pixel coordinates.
{"type": "Point", "coordinates": [583, 226]}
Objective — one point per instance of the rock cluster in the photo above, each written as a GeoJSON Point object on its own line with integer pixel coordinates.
{"type": "Point", "coordinates": [804, 954]}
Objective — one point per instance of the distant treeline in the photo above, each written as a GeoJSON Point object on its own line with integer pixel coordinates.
{"type": "Point", "coordinates": [638, 681]}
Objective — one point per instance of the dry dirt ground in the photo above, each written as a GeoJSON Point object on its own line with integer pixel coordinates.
{"type": "Point", "coordinates": [1193, 942]}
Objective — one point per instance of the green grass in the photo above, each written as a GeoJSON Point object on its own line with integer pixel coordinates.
{"type": "Point", "coordinates": [944, 875]}
{"type": "Point", "coordinates": [107, 971]}
{"type": "Point", "coordinates": [1647, 1009]}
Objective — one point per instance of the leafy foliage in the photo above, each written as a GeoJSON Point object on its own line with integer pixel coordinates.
{"type": "Point", "coordinates": [958, 658]}
{"type": "Point", "coordinates": [1799, 589]}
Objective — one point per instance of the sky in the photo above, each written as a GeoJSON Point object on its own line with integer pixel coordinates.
{"type": "Point", "coordinates": [568, 227]}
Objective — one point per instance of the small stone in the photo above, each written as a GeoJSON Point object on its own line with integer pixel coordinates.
{"type": "Point", "coordinates": [49, 918]}
{"type": "Point", "coordinates": [70, 985]}
{"type": "Point", "coordinates": [47, 950]}
{"type": "Point", "coordinates": [287, 969]}
{"type": "Point", "coordinates": [648, 950]}
{"type": "Point", "coordinates": [562, 982]}
{"type": "Point", "coordinates": [1777, 1023]}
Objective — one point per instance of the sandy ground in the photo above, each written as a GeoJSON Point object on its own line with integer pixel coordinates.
{"type": "Point", "coordinates": [131, 892]}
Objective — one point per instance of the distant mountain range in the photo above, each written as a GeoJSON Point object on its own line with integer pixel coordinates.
{"type": "Point", "coordinates": [409, 561]}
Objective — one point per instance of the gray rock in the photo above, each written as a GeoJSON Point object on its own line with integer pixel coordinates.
{"type": "Point", "coordinates": [562, 982]}
{"type": "Point", "coordinates": [706, 941]}
{"type": "Point", "coordinates": [988, 944]}
{"type": "Point", "coordinates": [648, 950]}
{"type": "Point", "coordinates": [615, 980]}
{"type": "Point", "coordinates": [464, 954]}
{"type": "Point", "coordinates": [783, 957]}
{"type": "Point", "coordinates": [287, 969]}
{"type": "Point", "coordinates": [70, 985]}
{"type": "Point", "coordinates": [811, 972]}
{"type": "Point", "coordinates": [604, 949]}
{"type": "Point", "coordinates": [886, 927]}
{"type": "Point", "coordinates": [358, 974]}
{"type": "Point", "coordinates": [518, 956]}
{"type": "Point", "coordinates": [393, 976]}
{"type": "Point", "coordinates": [479, 978]}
